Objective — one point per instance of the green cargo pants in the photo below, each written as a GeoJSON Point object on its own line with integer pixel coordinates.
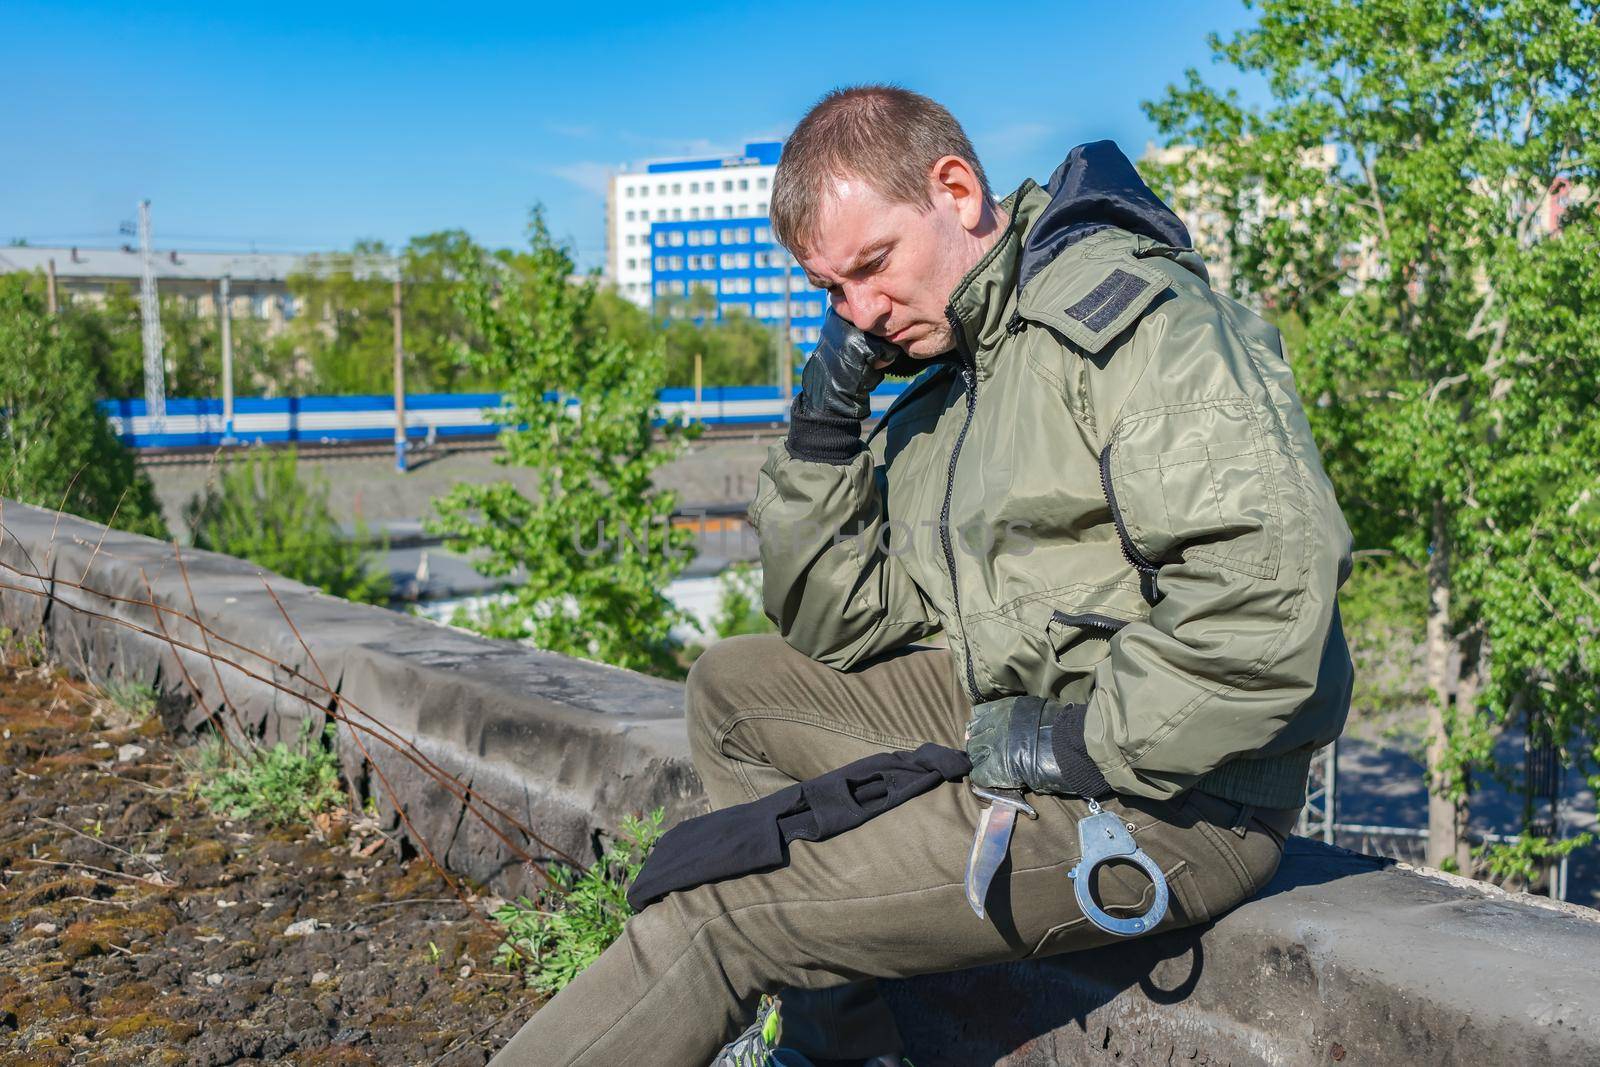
{"type": "Point", "coordinates": [884, 900]}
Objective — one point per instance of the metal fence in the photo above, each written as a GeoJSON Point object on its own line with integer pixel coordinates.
{"type": "Point", "coordinates": [202, 422]}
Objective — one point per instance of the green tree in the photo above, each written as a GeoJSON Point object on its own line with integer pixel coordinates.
{"type": "Point", "coordinates": [594, 553]}
{"type": "Point", "coordinates": [1395, 196]}
{"type": "Point", "coordinates": [56, 448]}
{"type": "Point", "coordinates": [261, 509]}
{"type": "Point", "coordinates": [734, 349]}
{"type": "Point", "coordinates": [109, 333]}
{"type": "Point", "coordinates": [346, 332]}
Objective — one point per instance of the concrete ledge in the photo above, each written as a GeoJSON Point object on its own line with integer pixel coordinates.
{"type": "Point", "coordinates": [1343, 958]}
{"type": "Point", "coordinates": [565, 746]}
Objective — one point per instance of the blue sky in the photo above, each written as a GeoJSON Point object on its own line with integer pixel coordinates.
{"type": "Point", "coordinates": [294, 126]}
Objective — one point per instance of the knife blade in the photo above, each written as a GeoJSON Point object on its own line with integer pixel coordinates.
{"type": "Point", "coordinates": [992, 839]}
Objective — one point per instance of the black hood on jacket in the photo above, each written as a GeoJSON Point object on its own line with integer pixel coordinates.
{"type": "Point", "coordinates": [1096, 188]}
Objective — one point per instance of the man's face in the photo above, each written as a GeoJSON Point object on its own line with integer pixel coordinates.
{"type": "Point", "coordinates": [889, 267]}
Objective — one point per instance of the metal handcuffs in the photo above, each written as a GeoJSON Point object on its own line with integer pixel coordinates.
{"type": "Point", "coordinates": [1103, 838]}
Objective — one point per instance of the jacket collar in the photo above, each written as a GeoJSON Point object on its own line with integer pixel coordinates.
{"type": "Point", "coordinates": [982, 302]}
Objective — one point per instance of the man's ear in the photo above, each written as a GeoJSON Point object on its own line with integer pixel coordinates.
{"type": "Point", "coordinates": [953, 177]}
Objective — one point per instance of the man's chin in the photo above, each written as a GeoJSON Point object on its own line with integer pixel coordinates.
{"type": "Point", "coordinates": [928, 347]}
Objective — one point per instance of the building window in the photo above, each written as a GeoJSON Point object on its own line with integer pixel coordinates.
{"type": "Point", "coordinates": [727, 236]}
{"type": "Point", "coordinates": [693, 237]}
{"type": "Point", "coordinates": [727, 211]}
{"type": "Point", "coordinates": [675, 263]}
{"type": "Point", "coordinates": [676, 240]}
{"type": "Point", "coordinates": [661, 190]}
{"type": "Point", "coordinates": [744, 184]}
{"type": "Point", "coordinates": [694, 187]}
{"type": "Point", "coordinates": [742, 235]}
{"type": "Point", "coordinates": [727, 185]}
{"type": "Point", "coordinates": [763, 234]}
{"type": "Point", "coordinates": [644, 190]}
{"type": "Point", "coordinates": [677, 213]}
{"type": "Point", "coordinates": [744, 261]}
{"type": "Point", "coordinates": [761, 208]}
{"type": "Point", "coordinates": [633, 264]}
{"type": "Point", "coordinates": [627, 190]}
{"type": "Point", "coordinates": [661, 263]}
{"type": "Point", "coordinates": [628, 215]}
{"type": "Point", "coordinates": [761, 183]}
{"type": "Point", "coordinates": [727, 263]}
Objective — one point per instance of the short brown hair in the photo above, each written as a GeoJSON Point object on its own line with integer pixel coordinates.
{"type": "Point", "coordinates": [883, 135]}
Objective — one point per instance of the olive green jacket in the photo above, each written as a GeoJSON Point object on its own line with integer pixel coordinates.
{"type": "Point", "coordinates": [1108, 495]}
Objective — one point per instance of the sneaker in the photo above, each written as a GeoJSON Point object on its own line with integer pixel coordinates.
{"type": "Point", "coordinates": [759, 1046]}
{"type": "Point", "coordinates": [756, 1046]}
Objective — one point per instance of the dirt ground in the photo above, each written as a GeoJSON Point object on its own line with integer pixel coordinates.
{"type": "Point", "coordinates": [137, 928]}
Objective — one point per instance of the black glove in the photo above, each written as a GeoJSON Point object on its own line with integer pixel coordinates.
{"type": "Point", "coordinates": [1035, 744]}
{"type": "Point", "coordinates": [825, 421]}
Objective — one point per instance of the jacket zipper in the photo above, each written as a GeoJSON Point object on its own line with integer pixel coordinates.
{"type": "Point", "coordinates": [1146, 567]}
{"type": "Point", "coordinates": [969, 379]}
{"type": "Point", "coordinates": [1089, 620]}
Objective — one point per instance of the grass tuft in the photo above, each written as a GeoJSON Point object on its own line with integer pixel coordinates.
{"type": "Point", "coordinates": [134, 699]}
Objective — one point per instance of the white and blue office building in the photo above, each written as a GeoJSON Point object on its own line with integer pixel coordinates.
{"type": "Point", "coordinates": [674, 227]}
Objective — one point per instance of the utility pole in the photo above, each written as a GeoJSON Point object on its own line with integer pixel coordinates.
{"type": "Point", "coordinates": [155, 370]}
{"type": "Point", "coordinates": [50, 285]}
{"type": "Point", "coordinates": [225, 309]}
{"type": "Point", "coordinates": [699, 412]}
{"type": "Point", "coordinates": [399, 383]}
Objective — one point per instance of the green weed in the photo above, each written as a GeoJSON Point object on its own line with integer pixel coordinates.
{"type": "Point", "coordinates": [279, 785]}
{"type": "Point", "coordinates": [136, 699]}
{"type": "Point", "coordinates": [553, 940]}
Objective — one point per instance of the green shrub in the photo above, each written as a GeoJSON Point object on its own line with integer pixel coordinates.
{"type": "Point", "coordinates": [279, 785]}
{"type": "Point", "coordinates": [553, 940]}
{"type": "Point", "coordinates": [262, 510]}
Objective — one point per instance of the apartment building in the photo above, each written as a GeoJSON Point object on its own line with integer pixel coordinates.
{"type": "Point", "coordinates": [678, 226]}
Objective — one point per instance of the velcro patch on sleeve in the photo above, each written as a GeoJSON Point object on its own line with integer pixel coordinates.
{"type": "Point", "coordinates": [1108, 300]}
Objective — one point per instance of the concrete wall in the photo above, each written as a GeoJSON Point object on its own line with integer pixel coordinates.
{"type": "Point", "coordinates": [1343, 958]}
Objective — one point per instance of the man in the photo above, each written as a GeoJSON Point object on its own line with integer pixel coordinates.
{"type": "Point", "coordinates": [1101, 487]}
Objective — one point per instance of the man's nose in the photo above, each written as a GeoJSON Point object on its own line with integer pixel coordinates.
{"type": "Point", "coordinates": [865, 306]}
